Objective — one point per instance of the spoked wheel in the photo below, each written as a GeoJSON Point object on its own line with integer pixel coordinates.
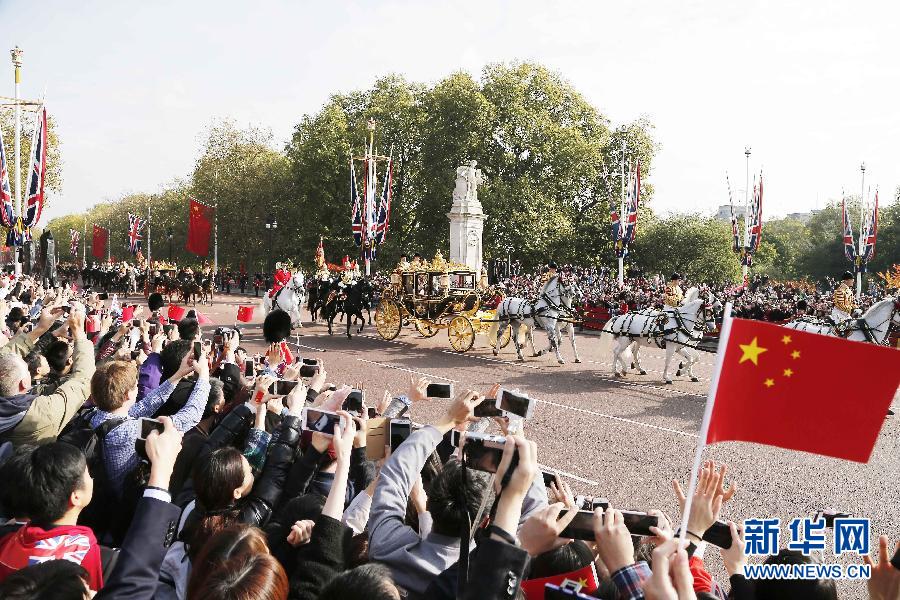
{"type": "Point", "coordinates": [504, 339]}
{"type": "Point", "coordinates": [426, 328]}
{"type": "Point", "coordinates": [387, 319]}
{"type": "Point", "coordinates": [462, 334]}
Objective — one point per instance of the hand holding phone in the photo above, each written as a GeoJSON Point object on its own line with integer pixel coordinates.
{"type": "Point", "coordinates": [442, 391]}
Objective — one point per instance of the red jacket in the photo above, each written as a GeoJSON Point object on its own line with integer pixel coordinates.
{"type": "Point", "coordinates": [31, 545]}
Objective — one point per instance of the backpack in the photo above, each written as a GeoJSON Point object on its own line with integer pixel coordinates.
{"type": "Point", "coordinates": [79, 433]}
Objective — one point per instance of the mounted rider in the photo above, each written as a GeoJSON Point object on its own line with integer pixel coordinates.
{"type": "Point", "coordinates": [673, 295]}
{"type": "Point", "coordinates": [281, 279]}
{"type": "Point", "coordinates": [349, 273]}
{"type": "Point", "coordinates": [843, 299]}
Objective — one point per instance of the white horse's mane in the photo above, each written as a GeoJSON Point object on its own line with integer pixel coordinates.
{"type": "Point", "coordinates": [877, 307]}
{"type": "Point", "coordinates": [691, 295]}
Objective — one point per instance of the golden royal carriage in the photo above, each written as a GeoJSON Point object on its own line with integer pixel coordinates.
{"type": "Point", "coordinates": [435, 296]}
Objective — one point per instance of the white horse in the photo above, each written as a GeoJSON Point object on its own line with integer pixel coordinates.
{"type": "Point", "coordinates": [549, 313]}
{"type": "Point", "coordinates": [289, 299]}
{"type": "Point", "coordinates": [676, 329]}
{"type": "Point", "coordinates": [873, 326]}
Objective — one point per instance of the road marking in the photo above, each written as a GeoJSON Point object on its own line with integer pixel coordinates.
{"type": "Point", "coordinates": [620, 419]}
{"type": "Point", "coordinates": [569, 475]}
{"type": "Point", "coordinates": [372, 362]}
{"type": "Point", "coordinates": [495, 360]}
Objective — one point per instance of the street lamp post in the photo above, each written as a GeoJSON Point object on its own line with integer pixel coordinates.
{"type": "Point", "coordinates": [169, 236]}
{"type": "Point", "coordinates": [16, 54]}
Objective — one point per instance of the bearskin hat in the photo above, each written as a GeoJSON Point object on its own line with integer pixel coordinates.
{"type": "Point", "coordinates": [277, 326]}
{"type": "Point", "coordinates": [155, 301]}
{"type": "Point", "coordinates": [846, 275]}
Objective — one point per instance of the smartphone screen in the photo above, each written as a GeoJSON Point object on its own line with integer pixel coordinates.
{"type": "Point", "coordinates": [400, 429]}
{"type": "Point", "coordinates": [488, 408]}
{"type": "Point", "coordinates": [439, 390]}
{"type": "Point", "coordinates": [483, 452]}
{"type": "Point", "coordinates": [581, 527]}
{"type": "Point", "coordinates": [354, 401]}
{"type": "Point", "coordinates": [639, 523]}
{"type": "Point", "coordinates": [549, 477]}
{"type": "Point", "coordinates": [372, 412]}
{"type": "Point", "coordinates": [514, 403]}
{"type": "Point", "coordinates": [135, 322]}
{"type": "Point", "coordinates": [282, 387]}
{"type": "Point", "coordinates": [248, 368]}
{"type": "Point", "coordinates": [310, 361]}
{"type": "Point", "coordinates": [148, 425]}
{"type": "Point", "coordinates": [308, 370]}
{"type": "Point", "coordinates": [198, 351]}
{"type": "Point", "coordinates": [719, 534]}
{"type": "Point", "coordinates": [321, 421]}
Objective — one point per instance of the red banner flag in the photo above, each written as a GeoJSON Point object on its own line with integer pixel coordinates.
{"type": "Point", "coordinates": [200, 227]}
{"type": "Point", "coordinates": [776, 387]}
{"type": "Point", "coordinates": [98, 247]}
{"type": "Point", "coordinates": [175, 312]}
{"type": "Point", "coordinates": [245, 314]}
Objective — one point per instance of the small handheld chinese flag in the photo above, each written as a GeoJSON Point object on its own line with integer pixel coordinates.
{"type": "Point", "coordinates": [175, 312]}
{"type": "Point", "coordinates": [245, 314]}
{"type": "Point", "coordinates": [127, 313]}
{"type": "Point", "coordinates": [796, 390]}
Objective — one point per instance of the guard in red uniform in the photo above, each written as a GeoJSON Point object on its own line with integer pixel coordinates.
{"type": "Point", "coordinates": [281, 279]}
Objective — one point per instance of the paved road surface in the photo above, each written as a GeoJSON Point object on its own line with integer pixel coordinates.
{"type": "Point", "coordinates": [625, 440]}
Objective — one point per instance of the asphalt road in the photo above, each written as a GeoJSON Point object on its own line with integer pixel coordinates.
{"type": "Point", "coordinates": [622, 439]}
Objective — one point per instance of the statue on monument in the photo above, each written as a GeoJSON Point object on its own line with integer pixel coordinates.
{"type": "Point", "coordinates": [468, 178]}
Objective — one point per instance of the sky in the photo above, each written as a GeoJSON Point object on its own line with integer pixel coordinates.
{"type": "Point", "coordinates": [811, 87]}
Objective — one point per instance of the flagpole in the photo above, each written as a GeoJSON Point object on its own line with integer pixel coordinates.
{"type": "Point", "coordinates": [707, 415]}
{"type": "Point", "coordinates": [622, 222]}
{"type": "Point", "coordinates": [17, 64]}
{"type": "Point", "coordinates": [370, 193]}
{"type": "Point", "coordinates": [108, 242]}
{"type": "Point", "coordinates": [84, 247]}
{"type": "Point", "coordinates": [862, 212]}
{"type": "Point", "coordinates": [148, 236]}
{"type": "Point", "coordinates": [744, 267]}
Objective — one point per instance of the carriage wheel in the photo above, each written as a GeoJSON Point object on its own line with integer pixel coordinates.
{"type": "Point", "coordinates": [387, 320]}
{"type": "Point", "coordinates": [462, 334]}
{"type": "Point", "coordinates": [426, 328]}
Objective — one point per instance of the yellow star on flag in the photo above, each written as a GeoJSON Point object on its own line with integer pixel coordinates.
{"type": "Point", "coordinates": [582, 581]}
{"type": "Point", "coordinates": [751, 352]}
{"type": "Point", "coordinates": [786, 340]}
{"type": "Point", "coordinates": [795, 354]}
{"type": "Point", "coordinates": [788, 372]}
{"type": "Point", "coordinates": [769, 382]}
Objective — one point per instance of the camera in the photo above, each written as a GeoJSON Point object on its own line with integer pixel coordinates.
{"type": "Point", "coordinates": [147, 426]}
{"type": "Point", "coordinates": [321, 421]}
{"type": "Point", "coordinates": [582, 526]}
{"type": "Point", "coordinates": [308, 370]}
{"type": "Point", "coordinates": [354, 402]}
{"type": "Point", "coordinates": [399, 430]}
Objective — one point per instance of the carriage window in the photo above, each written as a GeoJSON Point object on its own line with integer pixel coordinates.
{"type": "Point", "coordinates": [463, 281]}
{"type": "Point", "coordinates": [409, 284]}
{"type": "Point", "coordinates": [422, 284]}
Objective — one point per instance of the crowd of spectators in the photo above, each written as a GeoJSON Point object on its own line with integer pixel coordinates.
{"type": "Point", "coordinates": [146, 459]}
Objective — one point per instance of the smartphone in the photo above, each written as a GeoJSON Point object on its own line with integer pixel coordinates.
{"type": "Point", "coordinates": [515, 403]}
{"type": "Point", "coordinates": [483, 452]}
{"type": "Point", "coordinates": [249, 368]}
{"type": "Point", "coordinates": [308, 370]}
{"type": "Point", "coordinates": [354, 401]}
{"type": "Point", "coordinates": [321, 421]}
{"type": "Point", "coordinates": [455, 436]}
{"type": "Point", "coordinates": [829, 516]}
{"type": "Point", "coordinates": [149, 425]}
{"type": "Point", "coordinates": [153, 330]}
{"type": "Point", "coordinates": [581, 527]}
{"type": "Point", "coordinates": [439, 390]}
{"type": "Point", "coordinates": [282, 387]}
{"type": "Point", "coordinates": [488, 408]}
{"type": "Point", "coordinates": [549, 477]}
{"type": "Point", "coordinates": [310, 361]}
{"type": "Point", "coordinates": [218, 339]}
{"type": "Point", "coordinates": [168, 328]}
{"type": "Point", "coordinates": [639, 523]}
{"type": "Point", "coordinates": [399, 430]}
{"type": "Point", "coordinates": [135, 354]}
{"type": "Point", "coordinates": [896, 559]}
{"type": "Point", "coordinates": [135, 322]}
{"type": "Point", "coordinates": [718, 534]}
{"type": "Point", "coordinates": [198, 351]}
{"type": "Point", "coordinates": [373, 414]}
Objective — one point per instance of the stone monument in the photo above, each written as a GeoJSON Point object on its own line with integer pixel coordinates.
{"type": "Point", "coordinates": [466, 218]}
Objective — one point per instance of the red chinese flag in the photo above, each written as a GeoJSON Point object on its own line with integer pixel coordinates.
{"type": "Point", "coordinates": [127, 313]}
{"type": "Point", "coordinates": [245, 314]}
{"type": "Point", "coordinates": [801, 391]}
{"type": "Point", "coordinates": [175, 312]}
{"type": "Point", "coordinates": [98, 247]}
{"type": "Point", "coordinates": [200, 227]}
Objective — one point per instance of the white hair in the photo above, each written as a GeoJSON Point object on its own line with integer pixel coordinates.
{"type": "Point", "coordinates": [12, 370]}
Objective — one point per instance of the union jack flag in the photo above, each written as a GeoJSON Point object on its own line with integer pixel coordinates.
{"type": "Point", "coordinates": [7, 218]}
{"type": "Point", "coordinates": [754, 224]}
{"type": "Point", "coordinates": [35, 198]}
{"type": "Point", "coordinates": [870, 234]}
{"type": "Point", "coordinates": [76, 236]}
{"type": "Point", "coordinates": [632, 201]}
{"type": "Point", "coordinates": [735, 238]}
{"type": "Point", "coordinates": [384, 206]}
{"type": "Point", "coordinates": [616, 225]}
{"type": "Point", "coordinates": [847, 229]}
{"type": "Point", "coordinates": [134, 230]}
{"type": "Point", "coordinates": [355, 221]}
{"type": "Point", "coordinates": [73, 548]}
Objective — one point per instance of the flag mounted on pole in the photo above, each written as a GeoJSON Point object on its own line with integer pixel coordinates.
{"type": "Point", "coordinates": [869, 235]}
{"type": "Point", "coordinates": [355, 221]}
{"type": "Point", "coordinates": [847, 229]}
{"type": "Point", "coordinates": [7, 216]}
{"type": "Point", "coordinates": [769, 388]}
{"type": "Point", "coordinates": [98, 246]}
{"type": "Point", "coordinates": [75, 236]}
{"type": "Point", "coordinates": [632, 202]}
{"type": "Point", "coordinates": [37, 172]}
{"type": "Point", "coordinates": [384, 205]}
{"type": "Point", "coordinates": [755, 221]}
{"type": "Point", "coordinates": [735, 238]}
{"type": "Point", "coordinates": [134, 233]}
{"type": "Point", "coordinates": [200, 224]}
